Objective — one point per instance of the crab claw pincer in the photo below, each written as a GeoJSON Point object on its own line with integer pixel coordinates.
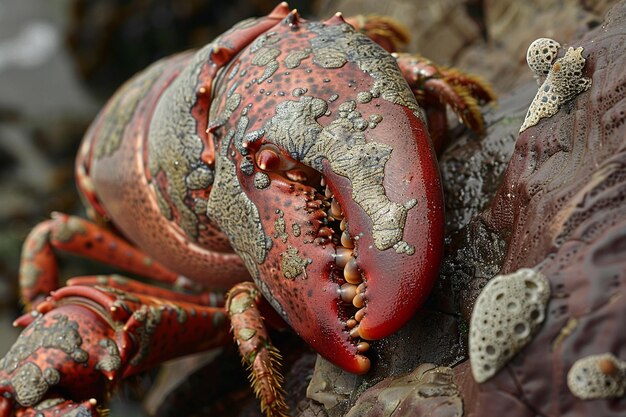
{"type": "Point", "coordinates": [338, 181]}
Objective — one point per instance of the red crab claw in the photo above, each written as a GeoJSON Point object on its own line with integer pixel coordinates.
{"type": "Point", "coordinates": [349, 152]}
{"type": "Point", "coordinates": [81, 341]}
{"type": "Point", "coordinates": [337, 287]}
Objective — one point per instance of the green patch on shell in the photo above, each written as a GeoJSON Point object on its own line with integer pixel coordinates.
{"type": "Point", "coordinates": [121, 109]}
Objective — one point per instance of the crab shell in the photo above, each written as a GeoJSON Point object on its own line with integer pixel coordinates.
{"type": "Point", "coordinates": [332, 107]}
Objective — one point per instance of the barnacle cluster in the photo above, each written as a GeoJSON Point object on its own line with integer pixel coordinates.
{"type": "Point", "coordinates": [563, 82]}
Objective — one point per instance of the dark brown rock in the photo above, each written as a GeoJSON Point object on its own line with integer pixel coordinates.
{"type": "Point", "coordinates": [427, 391]}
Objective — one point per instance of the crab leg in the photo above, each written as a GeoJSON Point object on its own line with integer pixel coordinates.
{"type": "Point", "coordinates": [207, 298]}
{"type": "Point", "coordinates": [390, 34]}
{"type": "Point", "coordinates": [257, 353]}
{"type": "Point", "coordinates": [61, 408]}
{"type": "Point", "coordinates": [39, 270]}
{"type": "Point", "coordinates": [82, 340]}
{"type": "Point", "coordinates": [475, 85]}
{"type": "Point", "coordinates": [435, 88]}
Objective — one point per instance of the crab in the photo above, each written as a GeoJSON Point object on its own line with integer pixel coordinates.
{"type": "Point", "coordinates": [288, 161]}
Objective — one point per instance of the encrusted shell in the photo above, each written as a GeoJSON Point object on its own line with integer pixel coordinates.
{"type": "Point", "coordinates": [541, 54]}
{"type": "Point", "coordinates": [597, 376]}
{"type": "Point", "coordinates": [507, 314]}
{"type": "Point", "coordinates": [564, 82]}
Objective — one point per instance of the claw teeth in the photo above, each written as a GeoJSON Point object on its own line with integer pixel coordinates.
{"type": "Point", "coordinates": [313, 205]}
{"type": "Point", "coordinates": [347, 292]}
{"type": "Point", "coordinates": [352, 288]}
{"type": "Point", "coordinates": [362, 347]}
{"type": "Point", "coordinates": [354, 332]}
{"type": "Point", "coordinates": [335, 210]}
{"type": "Point", "coordinates": [325, 232]}
{"type": "Point", "coordinates": [359, 300]}
{"type": "Point", "coordinates": [351, 272]}
{"type": "Point", "coordinates": [359, 315]}
{"type": "Point", "coordinates": [346, 241]}
{"type": "Point", "coordinates": [342, 256]}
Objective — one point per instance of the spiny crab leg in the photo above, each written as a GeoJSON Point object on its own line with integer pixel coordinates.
{"type": "Point", "coordinates": [257, 353]}
{"type": "Point", "coordinates": [207, 298]}
{"type": "Point", "coordinates": [436, 87]}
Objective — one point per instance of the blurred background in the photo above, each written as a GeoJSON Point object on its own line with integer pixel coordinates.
{"type": "Point", "coordinates": [61, 59]}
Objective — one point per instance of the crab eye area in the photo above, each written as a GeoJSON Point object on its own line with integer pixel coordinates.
{"type": "Point", "coordinates": [270, 158]}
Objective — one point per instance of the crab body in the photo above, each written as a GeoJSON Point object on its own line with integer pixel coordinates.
{"type": "Point", "coordinates": [289, 152]}
{"type": "Point", "coordinates": [181, 177]}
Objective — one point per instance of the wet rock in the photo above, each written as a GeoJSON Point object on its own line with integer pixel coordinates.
{"type": "Point", "coordinates": [427, 391]}
{"type": "Point", "coordinates": [430, 337]}
{"type": "Point", "coordinates": [332, 387]}
{"type": "Point", "coordinates": [472, 167]}
{"type": "Point", "coordinates": [471, 171]}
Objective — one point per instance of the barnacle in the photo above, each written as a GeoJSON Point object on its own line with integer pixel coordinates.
{"type": "Point", "coordinates": [541, 54]}
{"type": "Point", "coordinates": [597, 376]}
{"type": "Point", "coordinates": [564, 81]}
{"type": "Point", "coordinates": [507, 314]}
